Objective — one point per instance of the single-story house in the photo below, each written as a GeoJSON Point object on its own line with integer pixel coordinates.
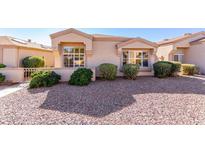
{"type": "Point", "coordinates": [73, 48]}
{"type": "Point", "coordinates": [189, 48]}
{"type": "Point", "coordinates": [13, 50]}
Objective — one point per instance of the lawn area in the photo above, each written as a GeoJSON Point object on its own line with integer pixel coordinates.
{"type": "Point", "coordinates": [147, 100]}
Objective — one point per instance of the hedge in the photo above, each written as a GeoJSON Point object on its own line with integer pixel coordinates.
{"type": "Point", "coordinates": [44, 79]}
{"type": "Point", "coordinates": [81, 77]}
{"type": "Point", "coordinates": [166, 68]}
{"type": "Point", "coordinates": [33, 62]}
{"type": "Point", "coordinates": [130, 71]}
{"type": "Point", "coordinates": [188, 69]}
{"type": "Point", "coordinates": [2, 66]}
{"type": "Point", "coordinates": [108, 71]}
{"type": "Point", "coordinates": [162, 69]}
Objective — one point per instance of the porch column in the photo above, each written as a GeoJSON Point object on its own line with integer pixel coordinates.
{"type": "Point", "coordinates": [153, 58]}
{"type": "Point", "coordinates": [118, 51]}
{"type": "Point", "coordinates": [57, 51]}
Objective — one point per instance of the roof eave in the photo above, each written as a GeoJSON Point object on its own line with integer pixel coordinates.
{"type": "Point", "coordinates": [120, 45]}
{"type": "Point", "coordinates": [68, 31]}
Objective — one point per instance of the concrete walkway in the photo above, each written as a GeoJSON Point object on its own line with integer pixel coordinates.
{"type": "Point", "coordinates": [201, 77]}
{"type": "Point", "coordinates": [6, 90]}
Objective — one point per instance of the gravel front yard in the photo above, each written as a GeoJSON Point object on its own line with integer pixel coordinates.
{"type": "Point", "coordinates": [146, 100]}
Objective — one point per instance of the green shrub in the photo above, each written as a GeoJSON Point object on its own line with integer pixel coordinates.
{"type": "Point", "coordinates": [33, 62]}
{"type": "Point", "coordinates": [2, 78]}
{"type": "Point", "coordinates": [2, 66]}
{"type": "Point", "coordinates": [108, 71]}
{"type": "Point", "coordinates": [44, 79]}
{"type": "Point", "coordinates": [81, 77]}
{"type": "Point", "coordinates": [176, 66]}
{"type": "Point", "coordinates": [130, 71]}
{"type": "Point", "coordinates": [188, 69]}
{"type": "Point", "coordinates": [162, 69]}
{"type": "Point", "coordinates": [197, 70]}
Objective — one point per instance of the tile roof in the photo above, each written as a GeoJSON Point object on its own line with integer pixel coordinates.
{"type": "Point", "coordinates": [176, 39]}
{"type": "Point", "coordinates": [198, 40]}
{"type": "Point", "coordinates": [11, 41]}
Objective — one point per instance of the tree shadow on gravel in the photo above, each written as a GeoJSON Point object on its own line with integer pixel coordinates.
{"type": "Point", "coordinates": [101, 98]}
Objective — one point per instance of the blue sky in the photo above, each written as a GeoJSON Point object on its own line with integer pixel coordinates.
{"type": "Point", "coordinates": [41, 35]}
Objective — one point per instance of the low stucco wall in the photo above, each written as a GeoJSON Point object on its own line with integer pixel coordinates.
{"type": "Point", "coordinates": [65, 73]}
{"type": "Point", "coordinates": [13, 74]}
{"type": "Point", "coordinates": [16, 75]}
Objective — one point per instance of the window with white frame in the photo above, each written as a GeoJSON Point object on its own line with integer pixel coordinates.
{"type": "Point", "coordinates": [74, 56]}
{"type": "Point", "coordinates": [136, 57]}
{"type": "Point", "coordinates": [178, 57]}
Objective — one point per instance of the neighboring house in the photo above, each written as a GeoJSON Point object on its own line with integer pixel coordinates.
{"type": "Point", "coordinates": [189, 48]}
{"type": "Point", "coordinates": [13, 50]}
{"type": "Point", "coordinates": [73, 48]}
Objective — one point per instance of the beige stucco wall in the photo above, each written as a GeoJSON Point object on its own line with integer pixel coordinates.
{"type": "Point", "coordinates": [164, 51]}
{"type": "Point", "coordinates": [106, 52]}
{"type": "Point", "coordinates": [1, 55]}
{"type": "Point", "coordinates": [71, 37]}
{"type": "Point", "coordinates": [103, 52]}
{"type": "Point", "coordinates": [13, 74]}
{"type": "Point", "coordinates": [10, 57]}
{"type": "Point", "coordinates": [57, 59]}
{"type": "Point", "coordinates": [196, 55]}
{"type": "Point", "coordinates": [48, 56]}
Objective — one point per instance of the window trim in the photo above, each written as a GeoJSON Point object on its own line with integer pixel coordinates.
{"type": "Point", "coordinates": [135, 58]}
{"type": "Point", "coordinates": [74, 55]}
{"type": "Point", "coordinates": [180, 57]}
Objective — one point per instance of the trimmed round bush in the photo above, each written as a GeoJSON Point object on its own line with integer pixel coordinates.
{"type": "Point", "coordinates": [197, 70]}
{"type": "Point", "coordinates": [130, 71]}
{"type": "Point", "coordinates": [188, 69]}
{"type": "Point", "coordinates": [176, 67]}
{"type": "Point", "coordinates": [108, 71]}
{"type": "Point", "coordinates": [44, 79]}
{"type": "Point", "coordinates": [2, 78]}
{"type": "Point", "coordinates": [2, 66]}
{"type": "Point", "coordinates": [81, 77]}
{"type": "Point", "coordinates": [162, 69]}
{"type": "Point", "coordinates": [33, 62]}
